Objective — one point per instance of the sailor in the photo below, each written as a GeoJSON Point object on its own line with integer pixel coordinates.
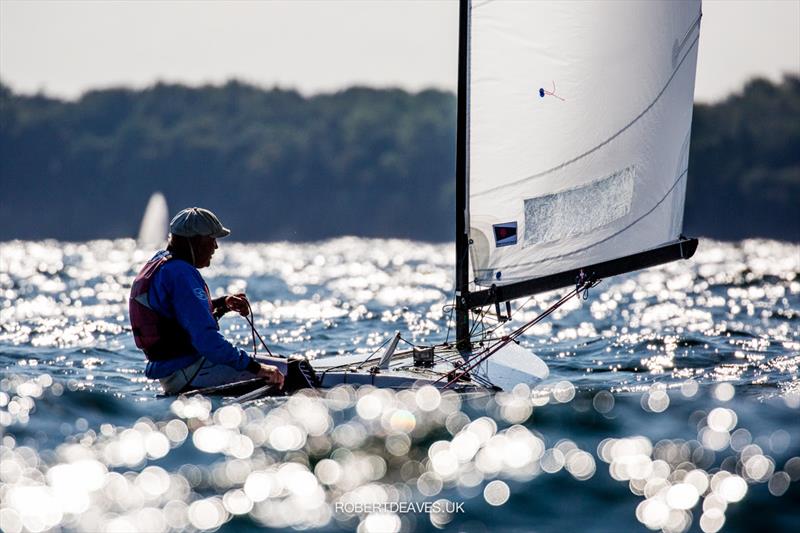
{"type": "Point", "coordinates": [174, 319]}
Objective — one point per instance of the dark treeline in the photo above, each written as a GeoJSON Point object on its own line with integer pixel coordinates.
{"type": "Point", "coordinates": [271, 163]}
{"type": "Point", "coordinates": [744, 164]}
{"type": "Point", "coordinates": [276, 165]}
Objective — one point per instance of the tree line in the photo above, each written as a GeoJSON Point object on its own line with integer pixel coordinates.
{"type": "Point", "coordinates": [276, 165]}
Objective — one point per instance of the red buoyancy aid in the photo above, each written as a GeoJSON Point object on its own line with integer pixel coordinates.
{"type": "Point", "coordinates": [159, 337]}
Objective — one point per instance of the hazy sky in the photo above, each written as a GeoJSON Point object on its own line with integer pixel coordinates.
{"type": "Point", "coordinates": [65, 47]}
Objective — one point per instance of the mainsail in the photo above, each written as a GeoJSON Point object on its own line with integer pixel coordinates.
{"type": "Point", "coordinates": [577, 120]}
{"type": "Point", "coordinates": [155, 222]}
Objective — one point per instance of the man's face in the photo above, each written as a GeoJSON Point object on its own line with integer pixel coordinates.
{"type": "Point", "coordinates": [203, 250]}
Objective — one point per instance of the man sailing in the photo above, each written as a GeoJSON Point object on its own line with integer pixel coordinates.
{"type": "Point", "coordinates": [174, 319]}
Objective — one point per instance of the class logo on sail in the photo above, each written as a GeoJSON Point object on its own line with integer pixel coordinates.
{"type": "Point", "coordinates": [544, 92]}
{"type": "Point", "coordinates": [505, 234]}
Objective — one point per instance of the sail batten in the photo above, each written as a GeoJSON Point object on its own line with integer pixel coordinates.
{"type": "Point", "coordinates": [599, 95]}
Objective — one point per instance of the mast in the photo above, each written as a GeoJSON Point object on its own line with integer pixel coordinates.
{"type": "Point", "coordinates": [462, 154]}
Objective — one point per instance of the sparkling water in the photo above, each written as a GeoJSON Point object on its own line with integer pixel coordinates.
{"type": "Point", "coordinates": [672, 404]}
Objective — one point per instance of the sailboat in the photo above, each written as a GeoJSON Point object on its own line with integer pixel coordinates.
{"type": "Point", "coordinates": [573, 131]}
{"type": "Point", "coordinates": [155, 222]}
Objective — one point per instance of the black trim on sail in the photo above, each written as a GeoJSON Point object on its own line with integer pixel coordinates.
{"type": "Point", "coordinates": [681, 249]}
{"type": "Point", "coordinates": [462, 153]}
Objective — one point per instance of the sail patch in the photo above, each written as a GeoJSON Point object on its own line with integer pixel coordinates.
{"type": "Point", "coordinates": [578, 211]}
{"type": "Point", "coordinates": [505, 234]}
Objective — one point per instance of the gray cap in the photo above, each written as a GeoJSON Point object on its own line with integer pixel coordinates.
{"type": "Point", "coordinates": [196, 221]}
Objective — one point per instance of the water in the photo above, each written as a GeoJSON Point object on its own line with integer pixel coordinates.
{"type": "Point", "coordinates": [672, 403]}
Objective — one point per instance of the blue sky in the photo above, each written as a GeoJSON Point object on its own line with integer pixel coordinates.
{"type": "Point", "coordinates": [65, 47]}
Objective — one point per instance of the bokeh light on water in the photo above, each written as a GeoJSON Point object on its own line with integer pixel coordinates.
{"type": "Point", "coordinates": [287, 463]}
{"type": "Point", "coordinates": [672, 402]}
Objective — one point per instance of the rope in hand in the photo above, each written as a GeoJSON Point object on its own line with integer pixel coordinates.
{"type": "Point", "coordinates": [249, 318]}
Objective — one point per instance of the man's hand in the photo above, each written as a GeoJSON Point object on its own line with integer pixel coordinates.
{"type": "Point", "coordinates": [238, 302]}
{"type": "Point", "coordinates": [271, 374]}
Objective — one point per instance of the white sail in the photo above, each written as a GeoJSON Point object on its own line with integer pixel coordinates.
{"type": "Point", "coordinates": [579, 123]}
{"type": "Point", "coordinates": [155, 222]}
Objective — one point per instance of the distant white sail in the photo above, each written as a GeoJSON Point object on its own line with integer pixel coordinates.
{"type": "Point", "coordinates": [579, 124]}
{"type": "Point", "coordinates": [155, 222]}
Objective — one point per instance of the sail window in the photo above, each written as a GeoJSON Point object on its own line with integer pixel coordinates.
{"type": "Point", "coordinates": [580, 210]}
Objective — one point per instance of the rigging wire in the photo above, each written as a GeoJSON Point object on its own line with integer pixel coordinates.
{"type": "Point", "coordinates": [408, 342]}
{"type": "Point", "coordinates": [481, 356]}
{"type": "Point", "coordinates": [365, 361]}
{"type": "Point", "coordinates": [439, 358]}
{"type": "Point", "coordinates": [477, 323]}
{"type": "Point", "coordinates": [485, 332]}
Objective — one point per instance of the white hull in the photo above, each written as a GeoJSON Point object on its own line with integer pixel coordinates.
{"type": "Point", "coordinates": [507, 367]}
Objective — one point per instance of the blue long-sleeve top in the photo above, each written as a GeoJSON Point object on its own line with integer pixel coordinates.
{"type": "Point", "coordinates": [179, 292]}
